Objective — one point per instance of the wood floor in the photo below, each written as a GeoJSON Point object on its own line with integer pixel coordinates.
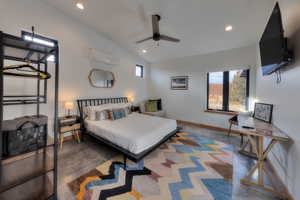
{"type": "Point", "coordinates": [77, 159]}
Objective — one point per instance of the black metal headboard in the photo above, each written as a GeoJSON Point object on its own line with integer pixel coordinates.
{"type": "Point", "coordinates": [96, 102]}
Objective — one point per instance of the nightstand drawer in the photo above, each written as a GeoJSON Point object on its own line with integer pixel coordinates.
{"type": "Point", "coordinates": [70, 128]}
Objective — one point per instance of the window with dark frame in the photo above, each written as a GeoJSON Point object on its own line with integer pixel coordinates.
{"type": "Point", "coordinates": [40, 40]}
{"type": "Point", "coordinates": [139, 71]}
{"type": "Point", "coordinates": [228, 90]}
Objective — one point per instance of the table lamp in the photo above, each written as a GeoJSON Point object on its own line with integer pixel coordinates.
{"type": "Point", "coordinates": [130, 99]}
{"type": "Point", "coordinates": [69, 106]}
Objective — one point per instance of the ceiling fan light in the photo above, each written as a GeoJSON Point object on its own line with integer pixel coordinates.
{"type": "Point", "coordinates": [228, 28]}
{"type": "Point", "coordinates": [144, 51]}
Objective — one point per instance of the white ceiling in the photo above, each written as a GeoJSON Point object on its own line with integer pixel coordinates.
{"type": "Point", "coordinates": [198, 23]}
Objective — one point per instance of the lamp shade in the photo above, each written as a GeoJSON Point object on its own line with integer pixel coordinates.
{"type": "Point", "coordinates": [130, 99]}
{"type": "Point", "coordinates": [69, 105]}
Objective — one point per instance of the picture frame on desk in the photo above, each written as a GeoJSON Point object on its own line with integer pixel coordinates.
{"type": "Point", "coordinates": [263, 112]}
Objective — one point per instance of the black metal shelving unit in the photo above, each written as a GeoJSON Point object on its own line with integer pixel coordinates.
{"type": "Point", "coordinates": [19, 180]}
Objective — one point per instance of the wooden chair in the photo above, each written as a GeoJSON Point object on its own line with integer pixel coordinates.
{"type": "Point", "coordinates": [234, 121]}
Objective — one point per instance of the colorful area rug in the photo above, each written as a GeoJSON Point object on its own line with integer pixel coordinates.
{"type": "Point", "coordinates": [187, 167]}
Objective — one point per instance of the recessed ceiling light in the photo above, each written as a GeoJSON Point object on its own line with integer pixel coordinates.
{"type": "Point", "coordinates": [80, 5]}
{"type": "Point", "coordinates": [144, 51]}
{"type": "Point", "coordinates": [228, 28]}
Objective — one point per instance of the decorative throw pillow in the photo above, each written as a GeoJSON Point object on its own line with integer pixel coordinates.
{"type": "Point", "coordinates": [128, 110]}
{"type": "Point", "coordinates": [119, 113]}
{"type": "Point", "coordinates": [110, 115]}
{"type": "Point", "coordinates": [151, 106]}
{"type": "Point", "coordinates": [102, 115]}
{"type": "Point", "coordinates": [90, 112]}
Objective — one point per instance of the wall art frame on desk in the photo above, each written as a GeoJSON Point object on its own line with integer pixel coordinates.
{"type": "Point", "coordinates": [263, 112]}
{"type": "Point", "coordinates": [179, 83]}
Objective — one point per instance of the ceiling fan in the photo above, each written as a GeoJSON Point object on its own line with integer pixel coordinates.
{"type": "Point", "coordinates": [156, 34]}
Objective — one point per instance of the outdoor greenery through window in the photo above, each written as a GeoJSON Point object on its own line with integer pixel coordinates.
{"type": "Point", "coordinates": [228, 91]}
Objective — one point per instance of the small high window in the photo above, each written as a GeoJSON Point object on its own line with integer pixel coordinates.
{"type": "Point", "coordinates": [139, 71]}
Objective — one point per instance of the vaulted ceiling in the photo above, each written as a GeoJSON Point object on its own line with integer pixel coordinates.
{"type": "Point", "coordinates": [199, 24]}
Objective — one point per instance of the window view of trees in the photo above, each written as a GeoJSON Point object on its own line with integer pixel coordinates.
{"type": "Point", "coordinates": [237, 90]}
{"type": "Point", "coordinates": [215, 98]}
{"type": "Point", "coordinates": [227, 91]}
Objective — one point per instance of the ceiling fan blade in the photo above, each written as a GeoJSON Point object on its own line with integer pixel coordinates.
{"type": "Point", "coordinates": [167, 38]}
{"type": "Point", "coordinates": [155, 25]}
{"type": "Point", "coordinates": [148, 38]}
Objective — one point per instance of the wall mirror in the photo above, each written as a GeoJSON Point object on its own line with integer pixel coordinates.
{"type": "Point", "coordinates": [101, 79]}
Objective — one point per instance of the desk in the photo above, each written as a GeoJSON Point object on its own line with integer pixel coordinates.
{"type": "Point", "coordinates": [255, 140]}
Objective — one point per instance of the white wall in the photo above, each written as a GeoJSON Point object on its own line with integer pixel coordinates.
{"type": "Point", "coordinates": [286, 97]}
{"type": "Point", "coordinates": [189, 105]}
{"type": "Point", "coordinates": [75, 40]}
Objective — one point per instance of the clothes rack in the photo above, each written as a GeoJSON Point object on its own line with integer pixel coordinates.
{"type": "Point", "coordinates": [18, 181]}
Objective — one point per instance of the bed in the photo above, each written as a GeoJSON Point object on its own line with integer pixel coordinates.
{"type": "Point", "coordinates": [135, 136]}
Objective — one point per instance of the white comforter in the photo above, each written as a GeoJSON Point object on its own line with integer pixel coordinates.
{"type": "Point", "coordinates": [136, 132]}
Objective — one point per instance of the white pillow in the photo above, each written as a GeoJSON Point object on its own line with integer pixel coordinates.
{"type": "Point", "coordinates": [90, 111]}
{"type": "Point", "coordinates": [121, 105]}
{"type": "Point", "coordinates": [143, 106]}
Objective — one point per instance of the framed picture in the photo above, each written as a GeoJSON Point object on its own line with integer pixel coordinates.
{"type": "Point", "coordinates": [263, 111]}
{"type": "Point", "coordinates": [179, 82]}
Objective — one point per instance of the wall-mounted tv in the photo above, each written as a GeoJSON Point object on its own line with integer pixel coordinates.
{"type": "Point", "coordinates": [273, 45]}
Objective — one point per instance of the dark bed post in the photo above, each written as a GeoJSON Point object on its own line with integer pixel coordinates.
{"type": "Point", "coordinates": [56, 97]}
{"type": "Point", "coordinates": [80, 109]}
{"type": "Point", "coordinates": [1, 97]}
{"type": "Point", "coordinates": [125, 159]}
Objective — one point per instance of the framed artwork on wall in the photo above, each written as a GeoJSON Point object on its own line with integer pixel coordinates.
{"type": "Point", "coordinates": [263, 111]}
{"type": "Point", "coordinates": [179, 82]}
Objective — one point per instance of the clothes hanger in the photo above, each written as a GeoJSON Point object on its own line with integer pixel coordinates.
{"type": "Point", "coordinates": [25, 70]}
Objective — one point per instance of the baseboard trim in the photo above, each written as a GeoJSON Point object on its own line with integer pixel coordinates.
{"type": "Point", "coordinates": [216, 128]}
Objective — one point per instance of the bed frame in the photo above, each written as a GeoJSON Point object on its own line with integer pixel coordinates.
{"type": "Point", "coordinates": [126, 154]}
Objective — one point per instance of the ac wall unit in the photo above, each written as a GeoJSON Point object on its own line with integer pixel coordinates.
{"type": "Point", "coordinates": [97, 56]}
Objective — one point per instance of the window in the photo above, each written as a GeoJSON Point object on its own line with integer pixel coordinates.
{"type": "Point", "coordinates": [139, 71]}
{"type": "Point", "coordinates": [40, 40]}
{"type": "Point", "coordinates": [228, 91]}
{"type": "Point", "coordinates": [215, 100]}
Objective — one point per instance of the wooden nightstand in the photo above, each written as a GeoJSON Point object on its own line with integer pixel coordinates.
{"type": "Point", "coordinates": [69, 124]}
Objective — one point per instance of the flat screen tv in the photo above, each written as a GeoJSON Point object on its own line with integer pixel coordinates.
{"type": "Point", "coordinates": [273, 45]}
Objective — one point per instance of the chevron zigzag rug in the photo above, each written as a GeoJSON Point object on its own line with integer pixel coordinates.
{"type": "Point", "coordinates": [187, 167]}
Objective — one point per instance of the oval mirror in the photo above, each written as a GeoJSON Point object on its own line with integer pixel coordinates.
{"type": "Point", "coordinates": [101, 79]}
